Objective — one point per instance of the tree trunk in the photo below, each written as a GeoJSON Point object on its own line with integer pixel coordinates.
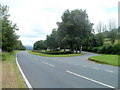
{"type": "Point", "coordinates": [76, 50]}
{"type": "Point", "coordinates": [72, 50]}
{"type": "Point", "coordinates": [80, 48]}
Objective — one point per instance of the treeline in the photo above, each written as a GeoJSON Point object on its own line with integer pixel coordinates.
{"type": "Point", "coordinates": [76, 32]}
{"type": "Point", "coordinates": [9, 41]}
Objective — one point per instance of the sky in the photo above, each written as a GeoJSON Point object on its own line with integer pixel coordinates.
{"type": "Point", "coordinates": [37, 18]}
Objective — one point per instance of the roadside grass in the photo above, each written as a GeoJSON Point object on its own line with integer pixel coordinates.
{"type": "Point", "coordinates": [11, 76]}
{"type": "Point", "coordinates": [107, 59]}
{"type": "Point", "coordinates": [60, 55]}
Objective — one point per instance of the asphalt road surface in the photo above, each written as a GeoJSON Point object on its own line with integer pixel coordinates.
{"type": "Point", "coordinates": [67, 72]}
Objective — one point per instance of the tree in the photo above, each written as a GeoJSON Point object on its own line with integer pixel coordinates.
{"type": "Point", "coordinates": [52, 40]}
{"type": "Point", "coordinates": [9, 37]}
{"type": "Point", "coordinates": [111, 24]}
{"type": "Point", "coordinates": [101, 28]}
{"type": "Point", "coordinates": [76, 27]}
{"type": "Point", "coordinates": [19, 45]}
{"type": "Point", "coordinates": [113, 35]}
{"type": "Point", "coordinates": [40, 45]}
{"type": "Point", "coordinates": [62, 39]}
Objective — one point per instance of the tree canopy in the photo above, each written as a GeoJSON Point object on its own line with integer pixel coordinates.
{"type": "Point", "coordinates": [72, 31]}
{"type": "Point", "coordinates": [9, 37]}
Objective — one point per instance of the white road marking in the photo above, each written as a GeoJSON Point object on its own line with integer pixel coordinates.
{"type": "Point", "coordinates": [109, 71]}
{"type": "Point", "coordinates": [26, 80]}
{"type": "Point", "coordinates": [48, 64]}
{"type": "Point", "coordinates": [89, 79]}
{"type": "Point", "coordinates": [96, 68]}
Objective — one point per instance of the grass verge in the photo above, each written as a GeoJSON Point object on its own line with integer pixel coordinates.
{"type": "Point", "coordinates": [48, 55]}
{"type": "Point", "coordinates": [11, 77]}
{"type": "Point", "coordinates": [107, 59]}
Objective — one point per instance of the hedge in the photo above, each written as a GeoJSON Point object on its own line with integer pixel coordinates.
{"type": "Point", "coordinates": [105, 49]}
{"type": "Point", "coordinates": [53, 52]}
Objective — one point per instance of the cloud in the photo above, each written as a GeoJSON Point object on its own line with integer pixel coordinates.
{"type": "Point", "coordinates": [36, 18]}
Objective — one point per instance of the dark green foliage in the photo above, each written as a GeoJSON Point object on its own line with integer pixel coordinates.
{"type": "Point", "coordinates": [40, 45]}
{"type": "Point", "coordinates": [9, 37]}
{"type": "Point", "coordinates": [105, 49]}
{"type": "Point", "coordinates": [52, 40]}
{"type": "Point", "coordinates": [19, 46]}
{"type": "Point", "coordinates": [116, 49]}
{"type": "Point", "coordinates": [95, 49]}
{"type": "Point", "coordinates": [74, 29]}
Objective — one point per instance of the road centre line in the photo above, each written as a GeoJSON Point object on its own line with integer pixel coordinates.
{"type": "Point", "coordinates": [48, 64]}
{"type": "Point", "coordinates": [89, 79]}
{"type": "Point", "coordinates": [96, 68]}
{"type": "Point", "coordinates": [109, 71]}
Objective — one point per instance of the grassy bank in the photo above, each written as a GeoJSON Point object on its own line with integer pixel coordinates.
{"type": "Point", "coordinates": [107, 59]}
{"type": "Point", "coordinates": [11, 77]}
{"type": "Point", "coordinates": [48, 55]}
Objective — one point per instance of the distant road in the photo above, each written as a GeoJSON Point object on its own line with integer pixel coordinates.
{"type": "Point", "coordinates": [67, 72]}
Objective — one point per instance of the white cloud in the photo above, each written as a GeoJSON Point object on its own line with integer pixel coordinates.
{"type": "Point", "coordinates": [37, 18]}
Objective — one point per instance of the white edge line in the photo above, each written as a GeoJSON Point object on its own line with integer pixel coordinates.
{"type": "Point", "coordinates": [89, 79]}
{"type": "Point", "coordinates": [26, 81]}
{"type": "Point", "coordinates": [48, 64]}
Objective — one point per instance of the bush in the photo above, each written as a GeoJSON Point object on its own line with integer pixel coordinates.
{"type": "Point", "coordinates": [90, 48]}
{"type": "Point", "coordinates": [57, 52]}
{"type": "Point", "coordinates": [100, 50]}
{"type": "Point", "coordinates": [84, 48]}
{"type": "Point", "coordinates": [116, 49]}
{"type": "Point", "coordinates": [95, 49]}
{"type": "Point", "coordinates": [106, 49]}
{"type": "Point", "coordinates": [52, 52]}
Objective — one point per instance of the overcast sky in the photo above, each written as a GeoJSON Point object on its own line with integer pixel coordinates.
{"type": "Point", "coordinates": [37, 18]}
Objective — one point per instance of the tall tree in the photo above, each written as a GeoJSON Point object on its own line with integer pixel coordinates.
{"type": "Point", "coordinates": [9, 37]}
{"type": "Point", "coordinates": [112, 27]}
{"type": "Point", "coordinates": [111, 24]}
{"type": "Point", "coordinates": [76, 27]}
{"type": "Point", "coordinates": [52, 41]}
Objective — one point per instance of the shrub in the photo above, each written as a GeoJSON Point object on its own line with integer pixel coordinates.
{"type": "Point", "coordinates": [100, 50]}
{"type": "Point", "coordinates": [84, 48]}
{"type": "Point", "coordinates": [116, 49]}
{"type": "Point", "coordinates": [56, 52]}
{"type": "Point", "coordinates": [95, 49]}
{"type": "Point", "coordinates": [106, 49]}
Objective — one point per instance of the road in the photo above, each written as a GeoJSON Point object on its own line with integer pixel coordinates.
{"type": "Point", "coordinates": [67, 72]}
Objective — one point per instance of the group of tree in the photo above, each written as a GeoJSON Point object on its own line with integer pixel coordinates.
{"type": "Point", "coordinates": [106, 40]}
{"type": "Point", "coordinates": [9, 41]}
{"type": "Point", "coordinates": [75, 32]}
{"type": "Point", "coordinates": [72, 31]}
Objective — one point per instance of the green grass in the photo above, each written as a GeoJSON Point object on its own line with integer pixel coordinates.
{"type": "Point", "coordinates": [48, 55]}
{"type": "Point", "coordinates": [107, 59]}
{"type": "Point", "coordinates": [12, 76]}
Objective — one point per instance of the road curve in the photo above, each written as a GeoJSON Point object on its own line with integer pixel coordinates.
{"type": "Point", "coordinates": [67, 72]}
